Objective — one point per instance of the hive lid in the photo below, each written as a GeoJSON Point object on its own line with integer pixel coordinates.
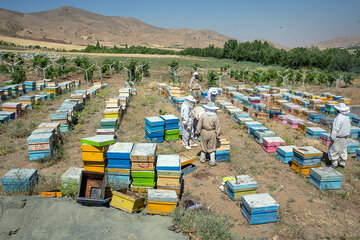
{"type": "Point", "coordinates": [99, 140]}
{"type": "Point", "coordinates": [243, 181]}
{"type": "Point", "coordinates": [286, 148]}
{"type": "Point", "coordinates": [325, 173]}
{"type": "Point", "coordinates": [169, 117]}
{"type": "Point", "coordinates": [260, 201]}
{"type": "Point", "coordinates": [144, 149]}
{"type": "Point", "coordinates": [20, 173]}
{"type": "Point", "coordinates": [121, 147]}
{"type": "Point", "coordinates": [168, 161]}
{"type": "Point", "coordinates": [161, 195]}
{"type": "Point", "coordinates": [72, 174]}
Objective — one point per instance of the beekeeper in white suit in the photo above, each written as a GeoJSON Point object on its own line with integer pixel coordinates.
{"type": "Point", "coordinates": [340, 132]}
{"type": "Point", "coordinates": [187, 128]}
{"type": "Point", "coordinates": [212, 94]}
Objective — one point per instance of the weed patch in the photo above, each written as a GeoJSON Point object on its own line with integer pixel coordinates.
{"type": "Point", "coordinates": [205, 224]}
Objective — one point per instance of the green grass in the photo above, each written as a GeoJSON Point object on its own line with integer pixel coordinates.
{"type": "Point", "coordinates": [205, 224]}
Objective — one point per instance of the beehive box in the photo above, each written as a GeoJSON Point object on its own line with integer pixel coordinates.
{"type": "Point", "coordinates": [161, 201]}
{"type": "Point", "coordinates": [326, 178]}
{"type": "Point", "coordinates": [259, 208]}
{"type": "Point", "coordinates": [127, 201]}
{"type": "Point", "coordinates": [72, 175]}
{"type": "Point", "coordinates": [19, 179]}
{"type": "Point", "coordinates": [242, 186]}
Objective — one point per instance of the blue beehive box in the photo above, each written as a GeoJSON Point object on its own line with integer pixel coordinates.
{"type": "Point", "coordinates": [154, 121]}
{"type": "Point", "coordinates": [252, 124]}
{"type": "Point", "coordinates": [285, 153]}
{"type": "Point", "coordinates": [244, 184]}
{"type": "Point", "coordinates": [314, 132]}
{"type": "Point", "coordinates": [259, 208]}
{"type": "Point", "coordinates": [168, 163]}
{"type": "Point", "coordinates": [19, 179]}
{"type": "Point", "coordinates": [358, 154]}
{"type": "Point", "coordinates": [170, 119]}
{"type": "Point", "coordinates": [120, 150]}
{"type": "Point", "coordinates": [354, 131]}
{"type": "Point", "coordinates": [222, 156]}
{"type": "Point", "coordinates": [326, 178]}
{"type": "Point", "coordinates": [352, 145]}
{"type": "Point", "coordinates": [10, 115]}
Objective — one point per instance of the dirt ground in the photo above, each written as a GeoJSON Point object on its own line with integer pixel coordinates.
{"type": "Point", "coordinates": [305, 212]}
{"type": "Point", "coordinates": [38, 218]}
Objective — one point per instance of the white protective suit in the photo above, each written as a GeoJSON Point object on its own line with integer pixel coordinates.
{"type": "Point", "coordinates": [338, 148]}
{"type": "Point", "coordinates": [212, 97]}
{"type": "Point", "coordinates": [187, 128]}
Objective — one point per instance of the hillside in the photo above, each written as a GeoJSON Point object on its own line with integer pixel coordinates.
{"type": "Point", "coordinates": [342, 42]}
{"type": "Point", "coordinates": [69, 25]}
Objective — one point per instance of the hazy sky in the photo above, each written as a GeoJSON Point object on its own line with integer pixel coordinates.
{"type": "Point", "coordinates": [286, 22]}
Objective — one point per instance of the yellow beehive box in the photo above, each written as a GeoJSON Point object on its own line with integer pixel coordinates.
{"type": "Point", "coordinates": [94, 166]}
{"type": "Point", "coordinates": [161, 208]}
{"type": "Point", "coordinates": [90, 148]}
{"type": "Point", "coordinates": [305, 170]}
{"type": "Point", "coordinates": [93, 156]}
{"type": "Point", "coordinates": [127, 201]}
{"type": "Point", "coordinates": [168, 182]}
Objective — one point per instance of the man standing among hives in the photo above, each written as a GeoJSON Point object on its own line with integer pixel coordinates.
{"type": "Point", "coordinates": [195, 87]}
{"type": "Point", "coordinates": [196, 113]}
{"type": "Point", "coordinates": [209, 130]}
{"type": "Point", "coordinates": [187, 128]}
{"type": "Point", "coordinates": [340, 131]}
{"type": "Point", "coordinates": [212, 94]}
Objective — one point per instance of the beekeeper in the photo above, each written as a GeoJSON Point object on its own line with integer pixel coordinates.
{"type": "Point", "coordinates": [187, 128]}
{"type": "Point", "coordinates": [195, 87]}
{"type": "Point", "coordinates": [212, 94]}
{"type": "Point", "coordinates": [196, 113]}
{"type": "Point", "coordinates": [209, 129]}
{"type": "Point", "coordinates": [338, 139]}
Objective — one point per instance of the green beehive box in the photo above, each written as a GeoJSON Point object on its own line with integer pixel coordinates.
{"type": "Point", "coordinates": [143, 174]}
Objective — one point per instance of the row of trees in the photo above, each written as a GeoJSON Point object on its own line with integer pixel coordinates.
{"type": "Point", "coordinates": [332, 59]}
{"type": "Point", "coordinates": [16, 67]}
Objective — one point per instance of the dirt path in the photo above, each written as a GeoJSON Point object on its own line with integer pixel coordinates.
{"type": "Point", "coordinates": [40, 218]}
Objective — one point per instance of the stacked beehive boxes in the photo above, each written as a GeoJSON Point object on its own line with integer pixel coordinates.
{"type": "Point", "coordinates": [161, 201]}
{"type": "Point", "coordinates": [259, 208]}
{"type": "Point", "coordinates": [326, 178]}
{"type": "Point", "coordinates": [12, 107]}
{"type": "Point", "coordinates": [171, 127]}
{"type": "Point", "coordinates": [52, 87]}
{"type": "Point", "coordinates": [222, 152]}
{"type": "Point", "coordinates": [314, 132]}
{"type": "Point", "coordinates": [270, 144]}
{"type": "Point", "coordinates": [168, 169]}
{"type": "Point", "coordinates": [142, 160]}
{"type": "Point", "coordinates": [305, 158]}
{"type": "Point", "coordinates": [252, 124]}
{"type": "Point", "coordinates": [94, 151]}
{"type": "Point", "coordinates": [303, 125]}
{"type": "Point", "coordinates": [119, 165]}
{"type": "Point", "coordinates": [19, 179]}
{"type": "Point", "coordinates": [285, 153]}
{"type": "Point", "coordinates": [154, 129]}
{"type": "Point", "coordinates": [259, 135]}
{"type": "Point", "coordinates": [41, 143]}
{"type": "Point", "coordinates": [239, 186]}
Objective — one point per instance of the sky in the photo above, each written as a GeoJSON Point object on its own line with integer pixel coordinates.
{"type": "Point", "coordinates": [286, 22]}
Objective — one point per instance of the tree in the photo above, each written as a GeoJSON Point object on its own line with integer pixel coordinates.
{"type": "Point", "coordinates": [145, 68]}
{"type": "Point", "coordinates": [174, 66]}
{"type": "Point", "coordinates": [212, 78]}
{"type": "Point", "coordinates": [19, 75]}
{"type": "Point", "coordinates": [133, 75]}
